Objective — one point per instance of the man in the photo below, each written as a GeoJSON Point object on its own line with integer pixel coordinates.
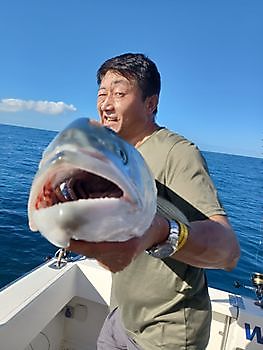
{"type": "Point", "coordinates": [160, 298]}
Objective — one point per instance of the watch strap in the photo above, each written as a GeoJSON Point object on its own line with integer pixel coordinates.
{"type": "Point", "coordinates": [178, 233]}
{"type": "Point", "coordinates": [182, 236]}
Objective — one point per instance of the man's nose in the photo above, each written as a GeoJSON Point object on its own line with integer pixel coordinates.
{"type": "Point", "coordinates": [107, 104]}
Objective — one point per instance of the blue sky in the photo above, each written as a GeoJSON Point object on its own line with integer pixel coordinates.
{"type": "Point", "coordinates": [209, 53]}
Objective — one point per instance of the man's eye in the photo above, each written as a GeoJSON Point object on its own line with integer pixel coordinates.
{"type": "Point", "coordinates": [119, 94]}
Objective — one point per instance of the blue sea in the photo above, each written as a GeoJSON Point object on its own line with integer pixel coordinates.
{"type": "Point", "coordinates": [238, 180]}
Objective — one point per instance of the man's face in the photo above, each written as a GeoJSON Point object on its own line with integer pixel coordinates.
{"type": "Point", "coordinates": [120, 105]}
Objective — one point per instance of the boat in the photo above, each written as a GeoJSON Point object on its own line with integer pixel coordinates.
{"type": "Point", "coordinates": [62, 304]}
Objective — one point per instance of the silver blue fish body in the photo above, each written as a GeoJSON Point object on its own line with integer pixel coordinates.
{"type": "Point", "coordinates": [91, 185]}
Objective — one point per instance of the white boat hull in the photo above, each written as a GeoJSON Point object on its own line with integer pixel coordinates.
{"type": "Point", "coordinates": [64, 309]}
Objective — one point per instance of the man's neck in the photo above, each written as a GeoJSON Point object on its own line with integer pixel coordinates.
{"type": "Point", "coordinates": [144, 135]}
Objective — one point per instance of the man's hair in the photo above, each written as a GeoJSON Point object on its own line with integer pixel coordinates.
{"type": "Point", "coordinates": [134, 66]}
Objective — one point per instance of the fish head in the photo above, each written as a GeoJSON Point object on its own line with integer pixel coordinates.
{"type": "Point", "coordinates": [91, 185]}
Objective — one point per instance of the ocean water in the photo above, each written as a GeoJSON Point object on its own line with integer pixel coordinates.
{"type": "Point", "coordinates": [238, 179]}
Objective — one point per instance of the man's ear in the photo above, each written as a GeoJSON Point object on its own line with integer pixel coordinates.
{"type": "Point", "coordinates": [152, 103]}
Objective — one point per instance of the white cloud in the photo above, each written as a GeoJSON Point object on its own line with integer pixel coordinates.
{"type": "Point", "coordinates": [11, 105]}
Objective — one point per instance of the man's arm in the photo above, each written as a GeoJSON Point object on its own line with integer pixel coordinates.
{"type": "Point", "coordinates": [211, 244]}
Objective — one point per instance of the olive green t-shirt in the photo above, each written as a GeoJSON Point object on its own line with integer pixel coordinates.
{"type": "Point", "coordinates": [164, 303]}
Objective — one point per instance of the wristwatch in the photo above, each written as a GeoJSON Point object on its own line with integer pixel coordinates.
{"type": "Point", "coordinates": [169, 247]}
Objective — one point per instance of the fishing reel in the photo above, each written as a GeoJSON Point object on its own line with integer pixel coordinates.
{"type": "Point", "coordinates": [257, 281]}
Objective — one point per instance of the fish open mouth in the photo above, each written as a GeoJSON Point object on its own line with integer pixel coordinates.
{"type": "Point", "coordinates": [79, 185]}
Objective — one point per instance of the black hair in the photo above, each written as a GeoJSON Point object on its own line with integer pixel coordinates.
{"type": "Point", "coordinates": [135, 66]}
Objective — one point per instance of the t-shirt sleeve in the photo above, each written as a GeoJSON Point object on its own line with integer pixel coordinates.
{"type": "Point", "coordinates": [187, 175]}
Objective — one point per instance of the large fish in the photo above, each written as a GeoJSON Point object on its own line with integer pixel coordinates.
{"type": "Point", "coordinates": [91, 185]}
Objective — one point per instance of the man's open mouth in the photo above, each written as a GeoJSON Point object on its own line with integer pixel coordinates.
{"type": "Point", "coordinates": [109, 118]}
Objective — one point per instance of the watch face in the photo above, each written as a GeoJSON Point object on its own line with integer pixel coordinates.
{"type": "Point", "coordinates": [163, 251]}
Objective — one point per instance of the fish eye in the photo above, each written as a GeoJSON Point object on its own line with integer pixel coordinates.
{"type": "Point", "coordinates": [123, 156]}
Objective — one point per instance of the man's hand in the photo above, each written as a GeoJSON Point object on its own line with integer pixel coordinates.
{"type": "Point", "coordinates": [115, 256]}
